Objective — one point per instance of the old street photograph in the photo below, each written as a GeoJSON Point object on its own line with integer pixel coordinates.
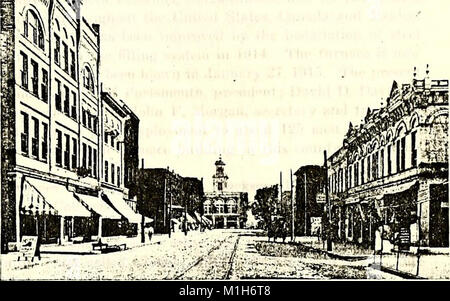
{"type": "Point", "coordinates": [224, 140]}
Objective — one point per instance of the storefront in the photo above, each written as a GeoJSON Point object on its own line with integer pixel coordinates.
{"type": "Point", "coordinates": [51, 212]}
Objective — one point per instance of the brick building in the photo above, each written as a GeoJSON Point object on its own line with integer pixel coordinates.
{"type": "Point", "coordinates": [51, 126]}
{"type": "Point", "coordinates": [392, 169]}
{"type": "Point", "coordinates": [224, 208]}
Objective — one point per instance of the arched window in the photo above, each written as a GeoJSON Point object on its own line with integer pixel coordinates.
{"type": "Point", "coordinates": [207, 207]}
{"type": "Point", "coordinates": [33, 29]}
{"type": "Point", "coordinates": [231, 206]}
{"type": "Point", "coordinates": [219, 206]}
{"type": "Point", "coordinates": [88, 79]}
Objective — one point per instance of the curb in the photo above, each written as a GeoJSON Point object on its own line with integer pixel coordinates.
{"type": "Point", "coordinates": [401, 274]}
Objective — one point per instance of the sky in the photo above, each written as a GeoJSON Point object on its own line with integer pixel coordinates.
{"type": "Point", "coordinates": [268, 84]}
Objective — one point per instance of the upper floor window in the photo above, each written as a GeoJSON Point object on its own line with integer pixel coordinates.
{"type": "Point", "coordinates": [33, 29]}
{"type": "Point", "coordinates": [57, 50]}
{"type": "Point", "coordinates": [88, 79]}
{"type": "Point", "coordinates": [413, 150]}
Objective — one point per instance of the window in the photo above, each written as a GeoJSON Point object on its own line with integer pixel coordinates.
{"type": "Point", "coordinates": [88, 79]}
{"type": "Point", "coordinates": [112, 141]}
{"type": "Point", "coordinates": [401, 144]}
{"type": "Point", "coordinates": [74, 106]}
{"type": "Point", "coordinates": [72, 65]}
{"type": "Point", "coordinates": [106, 137]}
{"type": "Point", "coordinates": [24, 135]}
{"type": "Point", "coordinates": [413, 150]}
{"type": "Point", "coordinates": [58, 96]}
{"type": "Point", "coordinates": [44, 86]}
{"type": "Point", "coordinates": [389, 160]}
{"type": "Point", "coordinates": [382, 162]}
{"type": "Point", "coordinates": [24, 71]}
{"type": "Point", "coordinates": [219, 186]}
{"type": "Point", "coordinates": [349, 177]}
{"type": "Point", "coordinates": [31, 23]}
{"type": "Point", "coordinates": [35, 78]}
{"type": "Point", "coordinates": [90, 159]}
{"type": "Point", "coordinates": [118, 176]}
{"type": "Point", "coordinates": [35, 139]}
{"type": "Point", "coordinates": [362, 171]}
{"type": "Point", "coordinates": [44, 141]}
{"type": "Point", "coordinates": [94, 168]}
{"type": "Point", "coordinates": [57, 50]}
{"type": "Point", "coordinates": [95, 125]}
{"type": "Point", "coordinates": [106, 171]}
{"type": "Point", "coordinates": [112, 173]}
{"type": "Point", "coordinates": [89, 120]}
{"type": "Point", "coordinates": [74, 153]}
{"type": "Point", "coordinates": [375, 166]}
{"type": "Point", "coordinates": [369, 170]}
{"type": "Point", "coordinates": [403, 154]}
{"type": "Point", "coordinates": [356, 173]}
{"type": "Point", "coordinates": [58, 148]}
{"type": "Point", "coordinates": [83, 117]}
{"type": "Point", "coordinates": [84, 155]}
{"type": "Point", "coordinates": [66, 101]}
{"type": "Point", "coordinates": [65, 57]}
{"type": "Point", "coordinates": [118, 145]}
{"type": "Point", "coordinates": [67, 152]}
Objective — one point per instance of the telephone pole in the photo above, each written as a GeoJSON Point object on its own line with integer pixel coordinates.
{"type": "Point", "coordinates": [281, 192]}
{"type": "Point", "coordinates": [292, 210]}
{"type": "Point", "coordinates": [306, 213]}
{"type": "Point", "coordinates": [327, 199]}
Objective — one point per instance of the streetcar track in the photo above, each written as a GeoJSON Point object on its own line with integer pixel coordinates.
{"type": "Point", "coordinates": [230, 262]}
{"type": "Point", "coordinates": [200, 259]}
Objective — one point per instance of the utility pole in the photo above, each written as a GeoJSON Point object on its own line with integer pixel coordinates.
{"type": "Point", "coordinates": [292, 211]}
{"type": "Point", "coordinates": [281, 191]}
{"type": "Point", "coordinates": [306, 208]}
{"type": "Point", "coordinates": [185, 215]}
{"type": "Point", "coordinates": [327, 199]}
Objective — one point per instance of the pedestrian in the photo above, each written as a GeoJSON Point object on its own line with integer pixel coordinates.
{"type": "Point", "coordinates": [150, 233]}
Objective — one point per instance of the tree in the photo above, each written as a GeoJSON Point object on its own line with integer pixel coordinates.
{"type": "Point", "coordinates": [266, 205]}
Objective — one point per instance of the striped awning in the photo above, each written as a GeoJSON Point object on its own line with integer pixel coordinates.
{"type": "Point", "coordinates": [59, 199]}
{"type": "Point", "coordinates": [117, 201]}
{"type": "Point", "coordinates": [96, 204]}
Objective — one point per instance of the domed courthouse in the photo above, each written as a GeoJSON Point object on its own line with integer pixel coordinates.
{"type": "Point", "coordinates": [223, 207]}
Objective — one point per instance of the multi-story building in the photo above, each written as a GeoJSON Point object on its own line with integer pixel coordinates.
{"type": "Point", "coordinates": [313, 207]}
{"type": "Point", "coordinates": [392, 169]}
{"type": "Point", "coordinates": [160, 197]}
{"type": "Point", "coordinates": [114, 115]}
{"type": "Point", "coordinates": [51, 131]}
{"type": "Point", "coordinates": [224, 208]}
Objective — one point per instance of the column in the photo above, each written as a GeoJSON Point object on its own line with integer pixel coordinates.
{"type": "Point", "coordinates": [18, 181]}
{"type": "Point", "coordinates": [61, 231]}
{"type": "Point", "coordinates": [225, 222]}
{"type": "Point", "coordinates": [100, 224]}
{"type": "Point", "coordinates": [214, 220]}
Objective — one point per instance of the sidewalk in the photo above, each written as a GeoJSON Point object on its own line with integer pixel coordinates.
{"type": "Point", "coordinates": [53, 253]}
{"type": "Point", "coordinates": [435, 265]}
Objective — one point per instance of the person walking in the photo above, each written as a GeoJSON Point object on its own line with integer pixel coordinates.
{"type": "Point", "coordinates": [150, 233]}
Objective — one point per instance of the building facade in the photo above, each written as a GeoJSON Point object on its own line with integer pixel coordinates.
{"type": "Point", "coordinates": [313, 207]}
{"type": "Point", "coordinates": [51, 123]}
{"type": "Point", "coordinates": [392, 170]}
{"type": "Point", "coordinates": [224, 208]}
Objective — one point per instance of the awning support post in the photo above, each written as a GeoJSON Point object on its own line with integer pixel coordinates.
{"type": "Point", "coordinates": [61, 230]}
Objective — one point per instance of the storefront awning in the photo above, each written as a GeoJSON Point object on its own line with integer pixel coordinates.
{"type": "Point", "coordinates": [121, 206]}
{"type": "Point", "coordinates": [399, 188]}
{"type": "Point", "coordinates": [190, 219]}
{"type": "Point", "coordinates": [59, 198]}
{"type": "Point", "coordinates": [98, 205]}
{"type": "Point", "coordinates": [207, 220]}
